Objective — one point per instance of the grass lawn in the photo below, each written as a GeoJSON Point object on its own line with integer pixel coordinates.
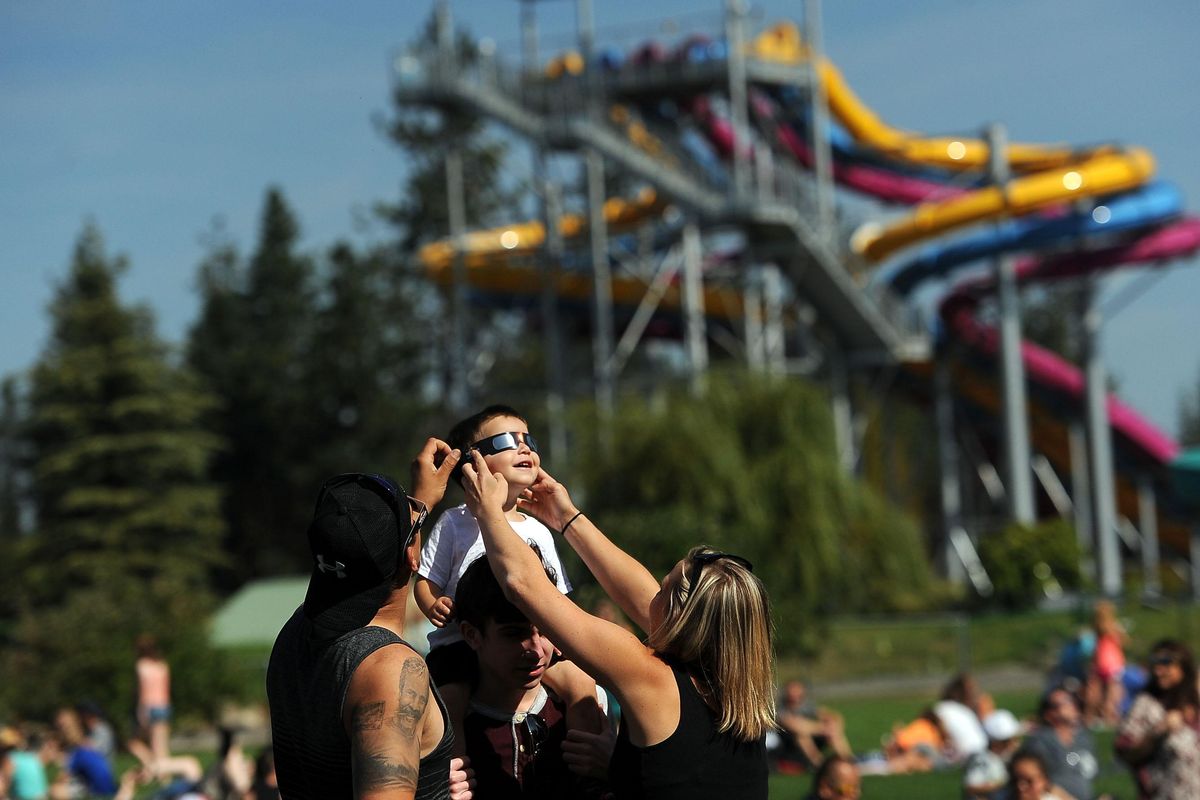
{"type": "Point", "coordinates": [867, 720]}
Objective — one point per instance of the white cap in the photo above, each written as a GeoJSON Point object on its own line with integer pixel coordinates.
{"type": "Point", "coordinates": [1001, 725]}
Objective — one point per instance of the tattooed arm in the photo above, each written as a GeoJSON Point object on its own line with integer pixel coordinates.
{"type": "Point", "coordinates": [387, 718]}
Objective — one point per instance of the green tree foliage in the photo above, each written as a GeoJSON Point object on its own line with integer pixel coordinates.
{"type": "Point", "coordinates": [368, 365]}
{"type": "Point", "coordinates": [1029, 563]}
{"type": "Point", "coordinates": [320, 366]}
{"type": "Point", "coordinates": [127, 525]}
{"type": "Point", "coordinates": [752, 468]}
{"type": "Point", "coordinates": [251, 342]}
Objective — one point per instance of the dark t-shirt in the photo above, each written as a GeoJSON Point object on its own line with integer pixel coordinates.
{"type": "Point", "coordinates": [307, 681]}
{"type": "Point", "coordinates": [519, 755]}
{"type": "Point", "coordinates": [693, 763]}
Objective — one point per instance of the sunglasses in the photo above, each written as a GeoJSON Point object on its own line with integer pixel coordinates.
{"type": "Point", "coordinates": [1164, 661]}
{"type": "Point", "coordinates": [491, 445]}
{"type": "Point", "coordinates": [391, 495]}
{"type": "Point", "coordinates": [701, 559]}
{"type": "Point", "coordinates": [538, 732]}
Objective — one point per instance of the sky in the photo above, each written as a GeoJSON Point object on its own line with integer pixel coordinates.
{"type": "Point", "coordinates": [157, 120]}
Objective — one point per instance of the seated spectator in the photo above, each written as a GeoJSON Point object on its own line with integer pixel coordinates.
{"type": "Point", "coordinates": [918, 746]}
{"type": "Point", "coordinates": [1064, 744]}
{"type": "Point", "coordinates": [836, 779]}
{"type": "Point", "coordinates": [960, 711]}
{"type": "Point", "coordinates": [22, 766]}
{"type": "Point", "coordinates": [985, 776]}
{"type": "Point", "coordinates": [806, 731]}
{"type": "Point", "coordinates": [1160, 736]}
{"type": "Point", "coordinates": [99, 733]}
{"type": "Point", "coordinates": [515, 730]}
{"type": "Point", "coordinates": [1028, 779]}
{"type": "Point", "coordinates": [83, 772]}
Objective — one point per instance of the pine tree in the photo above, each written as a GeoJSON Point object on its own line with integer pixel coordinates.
{"type": "Point", "coordinates": [127, 527]}
{"type": "Point", "coordinates": [252, 343]}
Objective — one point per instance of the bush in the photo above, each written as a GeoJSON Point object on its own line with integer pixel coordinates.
{"type": "Point", "coordinates": [752, 468]}
{"type": "Point", "coordinates": [1027, 564]}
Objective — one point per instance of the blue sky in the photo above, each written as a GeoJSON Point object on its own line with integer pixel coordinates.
{"type": "Point", "coordinates": [153, 119]}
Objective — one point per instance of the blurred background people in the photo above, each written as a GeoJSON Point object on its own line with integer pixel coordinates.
{"type": "Point", "coordinates": [985, 775]}
{"type": "Point", "coordinates": [1160, 736]}
{"type": "Point", "coordinates": [1064, 743]}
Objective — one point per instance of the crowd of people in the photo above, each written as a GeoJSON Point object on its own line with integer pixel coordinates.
{"type": "Point", "coordinates": [1051, 756]}
{"type": "Point", "coordinates": [521, 693]}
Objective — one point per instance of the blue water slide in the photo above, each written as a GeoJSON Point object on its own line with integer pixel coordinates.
{"type": "Point", "coordinates": [1153, 203]}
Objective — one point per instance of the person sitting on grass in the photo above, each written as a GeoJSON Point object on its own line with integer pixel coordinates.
{"type": "Point", "coordinates": [806, 731]}
{"type": "Point", "coordinates": [985, 776]}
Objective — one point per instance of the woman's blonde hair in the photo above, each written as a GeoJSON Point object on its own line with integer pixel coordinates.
{"type": "Point", "coordinates": [721, 630]}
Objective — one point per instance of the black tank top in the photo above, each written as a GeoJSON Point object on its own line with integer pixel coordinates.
{"type": "Point", "coordinates": [693, 763]}
{"type": "Point", "coordinates": [307, 682]}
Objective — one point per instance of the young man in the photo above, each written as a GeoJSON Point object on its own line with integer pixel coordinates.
{"type": "Point", "coordinates": [515, 729]}
{"type": "Point", "coordinates": [353, 712]}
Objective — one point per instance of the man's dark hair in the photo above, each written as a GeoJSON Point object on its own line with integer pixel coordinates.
{"type": "Point", "coordinates": [821, 776]}
{"type": "Point", "coordinates": [466, 432]}
{"type": "Point", "coordinates": [479, 597]}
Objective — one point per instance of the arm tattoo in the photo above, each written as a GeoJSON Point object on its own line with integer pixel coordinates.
{"type": "Point", "coordinates": [374, 771]}
{"type": "Point", "coordinates": [414, 697]}
{"type": "Point", "coordinates": [367, 717]}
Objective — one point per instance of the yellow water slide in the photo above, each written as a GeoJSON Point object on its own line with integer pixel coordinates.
{"type": "Point", "coordinates": [1047, 174]}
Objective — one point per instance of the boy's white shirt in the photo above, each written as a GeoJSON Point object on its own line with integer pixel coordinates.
{"type": "Point", "coordinates": [455, 542]}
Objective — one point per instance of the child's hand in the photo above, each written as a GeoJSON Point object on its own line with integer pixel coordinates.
{"type": "Point", "coordinates": [548, 502]}
{"type": "Point", "coordinates": [487, 492]}
{"type": "Point", "coordinates": [441, 612]}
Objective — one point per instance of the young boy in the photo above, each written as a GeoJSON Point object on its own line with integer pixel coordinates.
{"type": "Point", "coordinates": [515, 729]}
{"type": "Point", "coordinates": [502, 436]}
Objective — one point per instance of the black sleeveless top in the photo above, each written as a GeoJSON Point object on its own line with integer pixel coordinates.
{"type": "Point", "coordinates": [693, 763]}
{"type": "Point", "coordinates": [307, 681]}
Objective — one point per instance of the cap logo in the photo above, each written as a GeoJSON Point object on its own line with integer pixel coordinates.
{"type": "Point", "coordinates": [336, 566]}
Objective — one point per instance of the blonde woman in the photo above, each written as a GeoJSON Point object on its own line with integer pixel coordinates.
{"type": "Point", "coordinates": [696, 696]}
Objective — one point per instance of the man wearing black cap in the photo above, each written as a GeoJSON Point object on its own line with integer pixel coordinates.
{"type": "Point", "coordinates": [353, 713]}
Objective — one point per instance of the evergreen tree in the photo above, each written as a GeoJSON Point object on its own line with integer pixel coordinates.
{"type": "Point", "coordinates": [369, 365]}
{"type": "Point", "coordinates": [252, 343]}
{"type": "Point", "coordinates": [127, 525]}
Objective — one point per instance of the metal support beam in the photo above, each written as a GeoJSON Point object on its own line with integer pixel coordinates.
{"type": "Point", "coordinates": [752, 320]}
{"type": "Point", "coordinates": [773, 332]}
{"type": "Point", "coordinates": [843, 412]}
{"type": "Point", "coordinates": [735, 19]}
{"type": "Point", "coordinates": [556, 368]}
{"type": "Point", "coordinates": [1195, 558]}
{"type": "Point", "coordinates": [1100, 457]}
{"type": "Point", "coordinates": [1148, 523]}
{"type": "Point", "coordinates": [456, 209]}
{"type": "Point", "coordinates": [695, 327]}
{"type": "Point", "coordinates": [1019, 481]}
{"type": "Point", "coordinates": [1081, 493]}
{"type": "Point", "coordinates": [602, 313]}
{"type": "Point", "coordinates": [819, 114]}
{"type": "Point", "coordinates": [951, 485]}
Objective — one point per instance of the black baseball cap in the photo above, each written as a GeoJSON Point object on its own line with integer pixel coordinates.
{"type": "Point", "coordinates": [356, 537]}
